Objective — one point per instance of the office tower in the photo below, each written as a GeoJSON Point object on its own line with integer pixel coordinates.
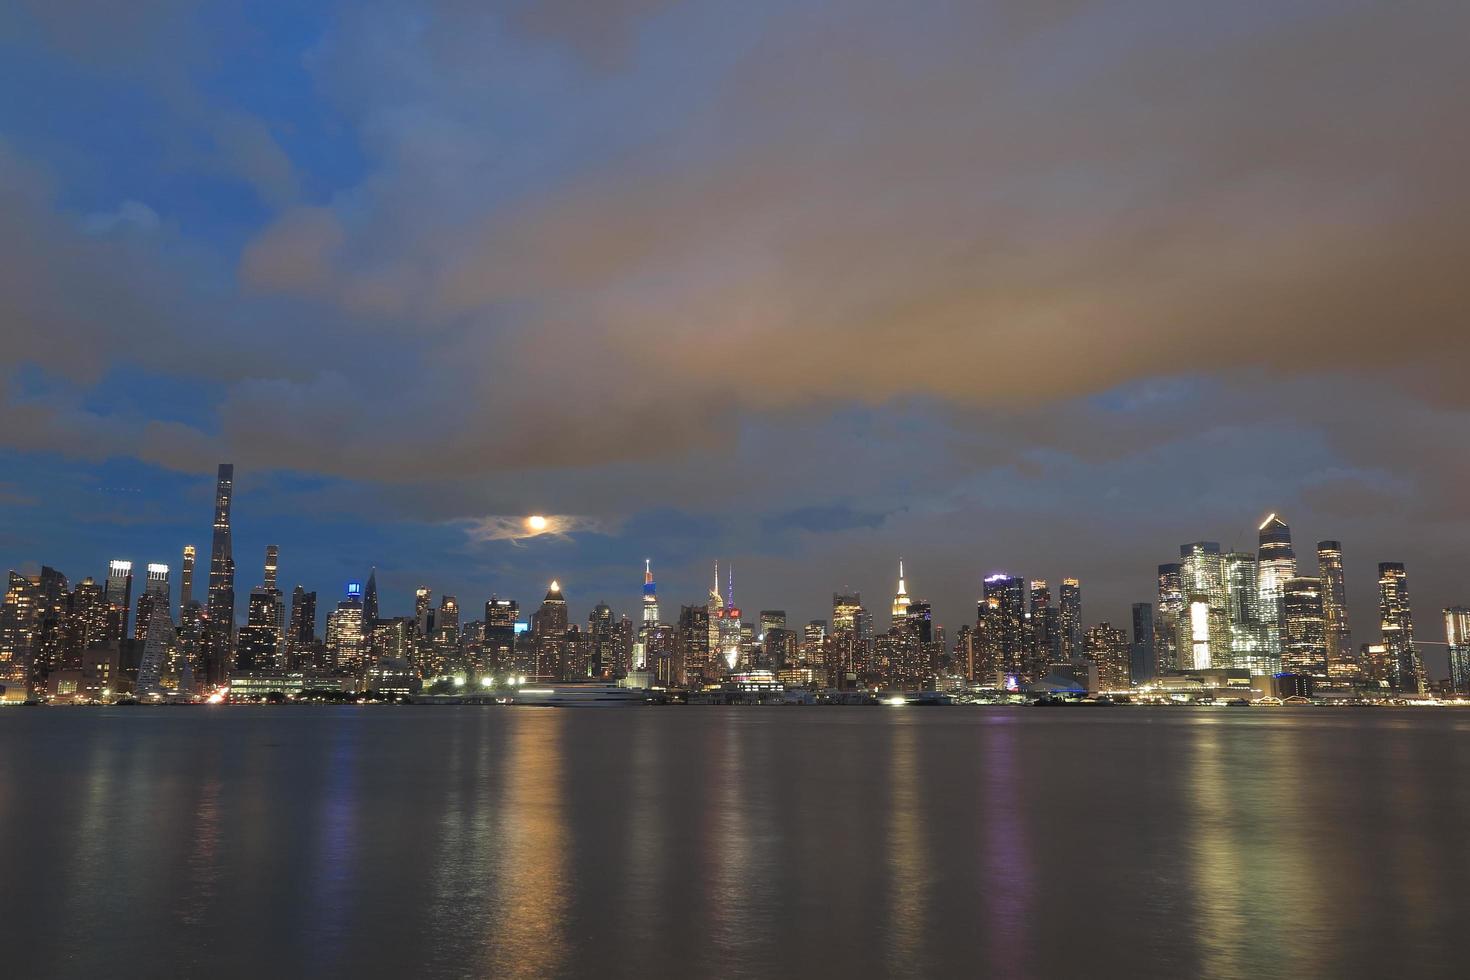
{"type": "Point", "coordinates": [1303, 627]}
{"type": "Point", "coordinates": [259, 646]}
{"type": "Point", "coordinates": [1249, 648]}
{"type": "Point", "coordinates": [423, 611]}
{"type": "Point", "coordinates": [728, 629]}
{"type": "Point", "coordinates": [650, 593]}
{"type": "Point", "coordinates": [272, 559]}
{"type": "Point", "coordinates": [844, 611]}
{"type": "Point", "coordinates": [1142, 663]}
{"type": "Point", "coordinates": [715, 605]}
{"type": "Point", "coordinates": [900, 600]}
{"type": "Point", "coordinates": [119, 595]}
{"type": "Point", "coordinates": [1108, 649]}
{"type": "Point", "coordinates": [52, 600]}
{"type": "Point", "coordinates": [302, 632]}
{"type": "Point", "coordinates": [1396, 620]}
{"type": "Point", "coordinates": [186, 582]}
{"type": "Point", "coordinates": [1341, 663]}
{"type": "Point", "coordinates": [220, 631]}
{"type": "Point", "coordinates": [1000, 628]}
{"type": "Point", "coordinates": [18, 629]}
{"type": "Point", "coordinates": [772, 619]}
{"type": "Point", "coordinates": [446, 620]}
{"type": "Point", "coordinates": [1277, 564]}
{"type": "Point", "coordinates": [344, 638]}
{"type": "Point", "coordinates": [86, 621]}
{"type": "Point", "coordinates": [1069, 602]}
{"type": "Point", "coordinates": [500, 632]}
{"type": "Point", "coordinates": [1044, 623]}
{"type": "Point", "coordinates": [693, 638]}
{"type": "Point", "coordinates": [919, 620]}
{"type": "Point", "coordinates": [370, 599]}
{"type": "Point", "coordinates": [155, 590]}
{"type": "Point", "coordinates": [1170, 618]}
{"type": "Point", "coordinates": [548, 630]}
{"type": "Point", "coordinates": [1457, 638]}
{"type": "Point", "coordinates": [158, 641]}
{"type": "Point", "coordinates": [1205, 631]}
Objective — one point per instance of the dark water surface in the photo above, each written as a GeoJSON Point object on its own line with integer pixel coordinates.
{"type": "Point", "coordinates": [702, 841]}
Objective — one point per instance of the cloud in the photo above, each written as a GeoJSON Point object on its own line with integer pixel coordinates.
{"type": "Point", "coordinates": [523, 527]}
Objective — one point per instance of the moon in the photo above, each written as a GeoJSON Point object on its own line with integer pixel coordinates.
{"type": "Point", "coordinates": [536, 522]}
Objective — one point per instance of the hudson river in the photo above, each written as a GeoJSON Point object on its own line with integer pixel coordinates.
{"type": "Point", "coordinates": [723, 842]}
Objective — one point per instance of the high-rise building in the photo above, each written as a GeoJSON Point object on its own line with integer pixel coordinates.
{"type": "Point", "coordinates": [900, 610]}
{"type": "Point", "coordinates": [500, 633]}
{"type": "Point", "coordinates": [1341, 662]}
{"type": "Point", "coordinates": [714, 604]}
{"type": "Point", "coordinates": [272, 561]}
{"type": "Point", "coordinates": [220, 633]}
{"type": "Point", "coordinates": [302, 632]}
{"type": "Point", "coordinates": [119, 595]}
{"type": "Point", "coordinates": [423, 611]}
{"type": "Point", "coordinates": [1205, 630]}
{"type": "Point", "coordinates": [1069, 601]}
{"type": "Point", "coordinates": [1108, 649]}
{"type": "Point", "coordinates": [1457, 638]}
{"type": "Point", "coordinates": [548, 632]}
{"type": "Point", "coordinates": [86, 622]}
{"type": "Point", "coordinates": [1303, 627]}
{"type": "Point", "coordinates": [155, 590]}
{"type": "Point", "coordinates": [1000, 629]}
{"type": "Point", "coordinates": [345, 642]}
{"type": "Point", "coordinates": [446, 620]}
{"type": "Point", "coordinates": [1044, 624]}
{"type": "Point", "coordinates": [918, 621]}
{"type": "Point", "coordinates": [1170, 618]}
{"type": "Point", "coordinates": [1249, 648]}
{"type": "Point", "coordinates": [1142, 663]}
{"type": "Point", "coordinates": [186, 582]}
{"type": "Point", "coordinates": [1396, 620]}
{"type": "Point", "coordinates": [1277, 562]}
{"type": "Point", "coordinates": [158, 640]}
{"type": "Point", "coordinates": [730, 631]}
{"type": "Point", "coordinates": [18, 629]}
{"type": "Point", "coordinates": [370, 612]}
{"type": "Point", "coordinates": [650, 593]}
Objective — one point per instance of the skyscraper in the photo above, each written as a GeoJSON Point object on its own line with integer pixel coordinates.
{"type": "Point", "coordinates": [302, 633]}
{"type": "Point", "coordinates": [1170, 618]}
{"type": "Point", "coordinates": [1457, 638]}
{"type": "Point", "coordinates": [186, 582]}
{"type": "Point", "coordinates": [344, 641]}
{"type": "Point", "coordinates": [650, 593]}
{"type": "Point", "coordinates": [900, 610]}
{"type": "Point", "coordinates": [370, 600]}
{"type": "Point", "coordinates": [548, 632]}
{"type": "Point", "coordinates": [1069, 601]}
{"type": "Point", "coordinates": [158, 639]}
{"type": "Point", "coordinates": [729, 624]}
{"type": "Point", "coordinates": [500, 632]}
{"type": "Point", "coordinates": [1303, 633]}
{"type": "Point", "coordinates": [1044, 623]}
{"type": "Point", "coordinates": [220, 635]}
{"type": "Point", "coordinates": [1108, 649]}
{"type": "Point", "coordinates": [1341, 661]}
{"type": "Point", "coordinates": [1277, 564]}
{"type": "Point", "coordinates": [1396, 620]}
{"type": "Point", "coordinates": [1205, 630]}
{"type": "Point", "coordinates": [1000, 628]}
{"type": "Point", "coordinates": [1248, 644]}
{"type": "Point", "coordinates": [155, 591]}
{"type": "Point", "coordinates": [119, 594]}
{"type": "Point", "coordinates": [1142, 662]}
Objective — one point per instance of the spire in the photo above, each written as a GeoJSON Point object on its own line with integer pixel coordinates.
{"type": "Point", "coordinates": [730, 587]}
{"type": "Point", "coordinates": [716, 589]}
{"type": "Point", "coordinates": [901, 589]}
{"type": "Point", "coordinates": [647, 571]}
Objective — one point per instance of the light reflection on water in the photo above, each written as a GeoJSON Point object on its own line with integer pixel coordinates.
{"type": "Point", "coordinates": [743, 842]}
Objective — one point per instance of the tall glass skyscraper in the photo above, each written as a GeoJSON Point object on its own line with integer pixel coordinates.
{"type": "Point", "coordinates": [1457, 637]}
{"type": "Point", "coordinates": [1206, 632]}
{"type": "Point", "coordinates": [1304, 634]}
{"type": "Point", "coordinates": [220, 637]}
{"type": "Point", "coordinates": [1169, 617]}
{"type": "Point", "coordinates": [1342, 662]}
{"type": "Point", "coordinates": [1069, 602]}
{"type": "Point", "coordinates": [1248, 647]}
{"type": "Point", "coordinates": [1277, 564]}
{"type": "Point", "coordinates": [1396, 620]}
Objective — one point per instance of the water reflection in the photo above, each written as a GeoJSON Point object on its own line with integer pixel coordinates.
{"type": "Point", "coordinates": [907, 867]}
{"type": "Point", "coordinates": [526, 933]}
{"type": "Point", "coordinates": [1007, 887]}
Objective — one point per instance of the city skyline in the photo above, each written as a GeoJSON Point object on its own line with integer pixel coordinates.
{"type": "Point", "coordinates": [657, 284]}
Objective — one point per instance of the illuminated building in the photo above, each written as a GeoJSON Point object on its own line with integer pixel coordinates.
{"type": "Point", "coordinates": [1340, 660]}
{"type": "Point", "coordinates": [919, 621]}
{"type": "Point", "coordinates": [1000, 629]}
{"type": "Point", "coordinates": [1249, 649]}
{"type": "Point", "coordinates": [86, 621]}
{"type": "Point", "coordinates": [1142, 665]}
{"type": "Point", "coordinates": [1373, 660]}
{"type": "Point", "coordinates": [1170, 619]}
{"type": "Point", "coordinates": [1277, 564]}
{"type": "Point", "coordinates": [219, 639]}
{"type": "Point", "coordinates": [18, 629]}
{"type": "Point", "coordinates": [186, 582]}
{"type": "Point", "coordinates": [344, 638]}
{"type": "Point", "coordinates": [1044, 625]}
{"type": "Point", "coordinates": [1303, 633]}
{"type": "Point", "coordinates": [728, 627]}
{"type": "Point", "coordinates": [1069, 601]}
{"type": "Point", "coordinates": [548, 633]}
{"type": "Point", "coordinates": [446, 622]}
{"type": "Point", "coordinates": [119, 594]}
{"type": "Point", "coordinates": [157, 643]}
{"type": "Point", "coordinates": [650, 618]}
{"type": "Point", "coordinates": [302, 631]}
{"type": "Point", "coordinates": [155, 590]}
{"type": "Point", "coordinates": [1457, 638]}
{"type": "Point", "coordinates": [692, 637]}
{"type": "Point", "coordinates": [423, 612]}
{"type": "Point", "coordinates": [1206, 631]}
{"type": "Point", "coordinates": [1108, 649]}
{"type": "Point", "coordinates": [715, 605]}
{"type": "Point", "coordinates": [1396, 621]}
{"type": "Point", "coordinates": [900, 610]}
{"type": "Point", "coordinates": [500, 632]}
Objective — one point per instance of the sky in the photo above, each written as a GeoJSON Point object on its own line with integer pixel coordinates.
{"type": "Point", "coordinates": [1039, 287]}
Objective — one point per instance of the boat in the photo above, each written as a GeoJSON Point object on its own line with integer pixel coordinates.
{"type": "Point", "coordinates": [599, 695]}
